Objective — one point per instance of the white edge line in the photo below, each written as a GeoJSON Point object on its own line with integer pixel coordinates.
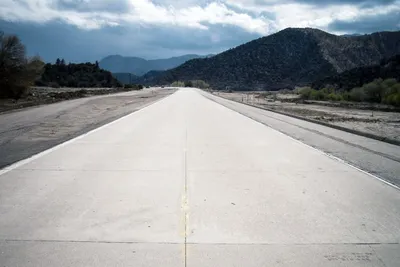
{"type": "Point", "coordinates": [316, 149]}
{"type": "Point", "coordinates": [47, 151]}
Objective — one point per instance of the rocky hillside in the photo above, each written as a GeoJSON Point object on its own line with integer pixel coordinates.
{"type": "Point", "coordinates": [291, 57]}
{"type": "Point", "coordinates": [388, 68]}
{"type": "Point", "coordinates": [140, 66]}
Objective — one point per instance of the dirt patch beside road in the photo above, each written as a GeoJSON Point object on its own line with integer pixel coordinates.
{"type": "Point", "coordinates": [29, 131]}
{"type": "Point", "coordinates": [48, 95]}
{"type": "Point", "coordinates": [385, 124]}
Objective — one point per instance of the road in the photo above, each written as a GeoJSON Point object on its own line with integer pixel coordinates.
{"type": "Point", "coordinates": [189, 182]}
{"type": "Point", "coordinates": [376, 157]}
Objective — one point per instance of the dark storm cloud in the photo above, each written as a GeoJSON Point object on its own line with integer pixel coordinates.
{"type": "Point", "coordinates": [368, 24]}
{"type": "Point", "coordinates": [59, 40]}
{"type": "Point", "coordinates": [113, 6]}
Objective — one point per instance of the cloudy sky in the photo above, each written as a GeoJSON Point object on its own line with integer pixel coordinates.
{"type": "Point", "coordinates": [86, 30]}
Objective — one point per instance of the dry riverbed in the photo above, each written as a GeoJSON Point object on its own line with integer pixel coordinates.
{"type": "Point", "coordinates": [361, 117]}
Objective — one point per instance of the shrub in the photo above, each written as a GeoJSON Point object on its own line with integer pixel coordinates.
{"type": "Point", "coordinates": [304, 92]}
{"type": "Point", "coordinates": [188, 84]}
{"type": "Point", "coordinates": [346, 96]}
{"type": "Point", "coordinates": [178, 84]}
{"type": "Point", "coordinates": [378, 91]}
{"type": "Point", "coordinates": [200, 84]}
{"type": "Point", "coordinates": [357, 94]}
{"type": "Point", "coordinates": [373, 91]}
{"type": "Point", "coordinates": [335, 97]}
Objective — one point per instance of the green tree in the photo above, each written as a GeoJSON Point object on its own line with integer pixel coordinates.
{"type": "Point", "coordinates": [17, 72]}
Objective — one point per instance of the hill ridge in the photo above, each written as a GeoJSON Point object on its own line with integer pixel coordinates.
{"type": "Point", "coordinates": [293, 56]}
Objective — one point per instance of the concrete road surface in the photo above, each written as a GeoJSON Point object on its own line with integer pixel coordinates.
{"type": "Point", "coordinates": [376, 157]}
{"type": "Point", "coordinates": [189, 182]}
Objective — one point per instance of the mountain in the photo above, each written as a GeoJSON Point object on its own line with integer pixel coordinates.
{"type": "Point", "coordinates": [140, 66]}
{"type": "Point", "coordinates": [351, 35]}
{"type": "Point", "coordinates": [388, 68]}
{"type": "Point", "coordinates": [294, 56]}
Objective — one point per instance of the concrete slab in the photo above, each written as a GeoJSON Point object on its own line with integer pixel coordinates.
{"type": "Point", "coordinates": [99, 156]}
{"type": "Point", "coordinates": [267, 207]}
{"type": "Point", "coordinates": [35, 254]}
{"type": "Point", "coordinates": [110, 206]}
{"type": "Point", "coordinates": [329, 255]}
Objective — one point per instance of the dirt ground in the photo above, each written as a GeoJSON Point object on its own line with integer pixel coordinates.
{"type": "Point", "coordinates": [48, 95]}
{"type": "Point", "coordinates": [360, 117]}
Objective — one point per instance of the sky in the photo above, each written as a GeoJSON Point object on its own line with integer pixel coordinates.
{"type": "Point", "coordinates": [88, 30]}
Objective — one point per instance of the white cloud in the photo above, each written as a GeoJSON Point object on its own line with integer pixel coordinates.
{"type": "Point", "coordinates": [245, 14]}
{"type": "Point", "coordinates": [139, 11]}
{"type": "Point", "coordinates": [296, 14]}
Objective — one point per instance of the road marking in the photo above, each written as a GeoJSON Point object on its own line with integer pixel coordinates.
{"type": "Point", "coordinates": [185, 196]}
{"type": "Point", "coordinates": [47, 151]}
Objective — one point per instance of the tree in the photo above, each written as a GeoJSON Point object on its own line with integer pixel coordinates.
{"type": "Point", "coordinates": [17, 72]}
{"type": "Point", "coordinates": [58, 62]}
{"type": "Point", "coordinates": [77, 75]}
{"type": "Point", "coordinates": [62, 63]}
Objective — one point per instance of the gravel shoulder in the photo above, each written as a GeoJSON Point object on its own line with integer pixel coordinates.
{"type": "Point", "coordinates": [29, 131]}
{"type": "Point", "coordinates": [383, 124]}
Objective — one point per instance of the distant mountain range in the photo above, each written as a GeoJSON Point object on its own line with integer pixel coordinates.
{"type": "Point", "coordinates": [139, 66]}
{"type": "Point", "coordinates": [294, 56]}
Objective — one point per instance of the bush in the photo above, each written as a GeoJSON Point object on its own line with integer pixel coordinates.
{"type": "Point", "coordinates": [357, 94]}
{"type": "Point", "coordinates": [378, 91]}
{"type": "Point", "coordinates": [317, 95]}
{"type": "Point", "coordinates": [373, 91]}
{"type": "Point", "coordinates": [178, 84]}
{"type": "Point", "coordinates": [17, 72]}
{"type": "Point", "coordinates": [200, 84]}
{"type": "Point", "coordinates": [304, 92]}
{"type": "Point", "coordinates": [188, 84]}
{"type": "Point", "coordinates": [335, 97]}
{"type": "Point", "coordinates": [392, 94]}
